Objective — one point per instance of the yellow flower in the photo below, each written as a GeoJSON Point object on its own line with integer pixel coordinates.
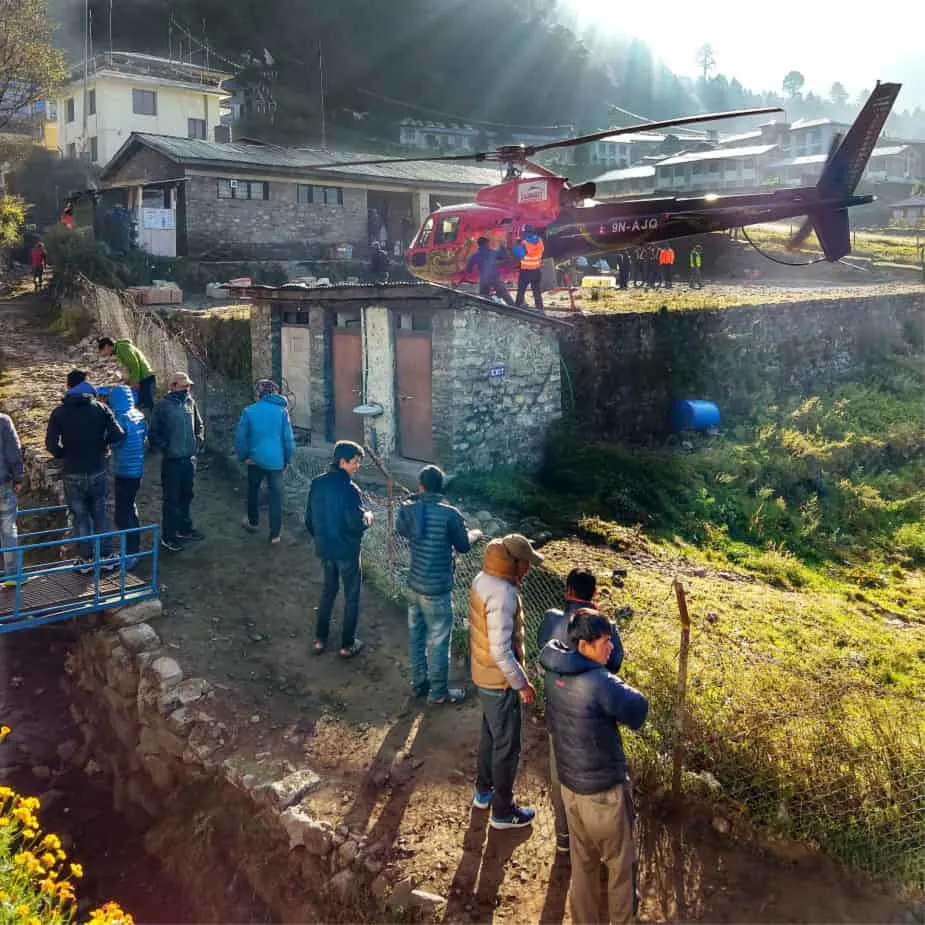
{"type": "Point", "coordinates": [4, 821]}
{"type": "Point", "coordinates": [33, 921]}
{"type": "Point", "coordinates": [77, 870]}
{"type": "Point", "coordinates": [4, 732]}
{"type": "Point", "coordinates": [6, 793]}
{"type": "Point", "coordinates": [22, 910]}
{"type": "Point", "coordinates": [48, 886]}
{"type": "Point", "coordinates": [48, 859]}
{"type": "Point", "coordinates": [51, 841]}
{"type": "Point", "coordinates": [61, 855]}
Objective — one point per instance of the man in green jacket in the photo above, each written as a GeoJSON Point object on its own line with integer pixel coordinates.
{"type": "Point", "coordinates": [136, 366]}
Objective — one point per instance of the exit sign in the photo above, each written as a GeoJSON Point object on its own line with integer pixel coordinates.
{"type": "Point", "coordinates": [497, 372]}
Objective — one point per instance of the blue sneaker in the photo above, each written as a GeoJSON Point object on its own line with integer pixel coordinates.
{"type": "Point", "coordinates": [519, 818]}
{"type": "Point", "coordinates": [482, 798]}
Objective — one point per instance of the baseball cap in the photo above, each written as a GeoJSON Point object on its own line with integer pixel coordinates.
{"type": "Point", "coordinates": [179, 378]}
{"type": "Point", "coordinates": [520, 548]}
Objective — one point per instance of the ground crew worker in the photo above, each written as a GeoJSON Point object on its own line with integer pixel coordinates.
{"type": "Point", "coordinates": [696, 265]}
{"type": "Point", "coordinates": [529, 251]}
{"type": "Point", "coordinates": [486, 260]}
{"type": "Point", "coordinates": [666, 262]}
{"type": "Point", "coordinates": [38, 258]}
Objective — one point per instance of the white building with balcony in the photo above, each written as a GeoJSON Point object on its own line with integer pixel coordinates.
{"type": "Point", "coordinates": [117, 93]}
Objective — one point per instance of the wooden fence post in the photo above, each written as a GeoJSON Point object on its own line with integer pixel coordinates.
{"type": "Point", "coordinates": [680, 692]}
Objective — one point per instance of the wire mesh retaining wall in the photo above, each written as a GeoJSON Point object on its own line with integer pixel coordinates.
{"type": "Point", "coordinates": [821, 758]}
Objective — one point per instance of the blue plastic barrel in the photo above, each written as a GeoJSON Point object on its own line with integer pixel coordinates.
{"type": "Point", "coordinates": [694, 414]}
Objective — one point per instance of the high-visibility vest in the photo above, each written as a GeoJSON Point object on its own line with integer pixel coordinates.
{"type": "Point", "coordinates": [696, 259]}
{"type": "Point", "coordinates": [533, 259]}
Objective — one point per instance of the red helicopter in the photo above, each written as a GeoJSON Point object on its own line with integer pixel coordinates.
{"type": "Point", "coordinates": [573, 225]}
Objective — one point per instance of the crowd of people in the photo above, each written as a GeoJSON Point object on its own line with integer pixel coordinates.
{"type": "Point", "coordinates": [580, 655]}
{"type": "Point", "coordinates": [101, 433]}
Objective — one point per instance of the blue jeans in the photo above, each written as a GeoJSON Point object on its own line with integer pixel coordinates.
{"type": "Point", "coordinates": [86, 497]}
{"type": "Point", "coordinates": [430, 625]}
{"type": "Point", "coordinates": [8, 535]}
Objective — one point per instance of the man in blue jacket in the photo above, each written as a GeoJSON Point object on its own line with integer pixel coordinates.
{"type": "Point", "coordinates": [177, 431]}
{"type": "Point", "coordinates": [337, 520]}
{"type": "Point", "coordinates": [486, 260]}
{"type": "Point", "coordinates": [128, 463]}
{"type": "Point", "coordinates": [264, 441]}
{"type": "Point", "coordinates": [434, 529]}
{"type": "Point", "coordinates": [585, 705]}
{"type": "Point", "coordinates": [580, 591]}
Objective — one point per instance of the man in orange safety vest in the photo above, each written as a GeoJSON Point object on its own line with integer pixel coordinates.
{"type": "Point", "coordinates": [529, 251]}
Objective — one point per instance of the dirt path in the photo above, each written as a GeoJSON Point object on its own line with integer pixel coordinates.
{"type": "Point", "coordinates": [239, 613]}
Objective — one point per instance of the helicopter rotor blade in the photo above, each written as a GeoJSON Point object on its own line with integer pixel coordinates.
{"type": "Point", "coordinates": [478, 157]}
{"type": "Point", "coordinates": [651, 127]}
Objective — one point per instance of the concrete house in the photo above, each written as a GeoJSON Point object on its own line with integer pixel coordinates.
{"type": "Point", "coordinates": [262, 201]}
{"type": "Point", "coordinates": [114, 94]}
{"type": "Point", "coordinates": [448, 378]}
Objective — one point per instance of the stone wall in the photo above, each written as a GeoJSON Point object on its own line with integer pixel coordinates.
{"type": "Point", "coordinates": [183, 345]}
{"type": "Point", "coordinates": [234, 831]}
{"type": "Point", "coordinates": [278, 228]}
{"type": "Point", "coordinates": [496, 389]}
{"type": "Point", "coordinates": [626, 370]}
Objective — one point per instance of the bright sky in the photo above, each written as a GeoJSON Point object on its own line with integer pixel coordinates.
{"type": "Point", "coordinates": [826, 40]}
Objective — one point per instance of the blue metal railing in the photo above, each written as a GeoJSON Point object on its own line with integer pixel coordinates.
{"type": "Point", "coordinates": [46, 588]}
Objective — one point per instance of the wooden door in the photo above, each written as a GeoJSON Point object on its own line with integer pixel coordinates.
{"type": "Point", "coordinates": [415, 395]}
{"type": "Point", "coordinates": [348, 383]}
{"type": "Point", "coordinates": [296, 356]}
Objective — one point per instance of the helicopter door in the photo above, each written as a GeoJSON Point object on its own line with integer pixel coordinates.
{"type": "Point", "coordinates": [414, 385]}
{"type": "Point", "coordinates": [347, 363]}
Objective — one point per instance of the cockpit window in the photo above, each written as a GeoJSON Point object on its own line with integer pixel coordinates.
{"type": "Point", "coordinates": [425, 233]}
{"type": "Point", "coordinates": [447, 230]}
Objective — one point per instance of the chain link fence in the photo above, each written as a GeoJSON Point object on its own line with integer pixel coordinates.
{"type": "Point", "coordinates": [827, 760]}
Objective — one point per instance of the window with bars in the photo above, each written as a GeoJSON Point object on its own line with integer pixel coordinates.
{"type": "Point", "coordinates": [243, 189]}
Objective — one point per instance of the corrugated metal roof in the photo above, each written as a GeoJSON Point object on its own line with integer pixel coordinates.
{"type": "Point", "coordinates": [912, 201]}
{"type": "Point", "coordinates": [812, 123]}
{"type": "Point", "coordinates": [721, 154]}
{"type": "Point", "coordinates": [625, 173]}
{"type": "Point", "coordinates": [308, 160]}
{"type": "Point", "coordinates": [807, 160]}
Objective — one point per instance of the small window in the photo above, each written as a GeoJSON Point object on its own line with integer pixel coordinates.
{"type": "Point", "coordinates": [94, 149]}
{"type": "Point", "coordinates": [91, 103]}
{"type": "Point", "coordinates": [321, 195]}
{"type": "Point", "coordinates": [72, 149]}
{"type": "Point", "coordinates": [69, 109]}
{"type": "Point", "coordinates": [243, 189]}
{"type": "Point", "coordinates": [447, 230]}
{"type": "Point", "coordinates": [144, 102]}
{"type": "Point", "coordinates": [424, 237]}
{"type": "Point", "coordinates": [258, 191]}
{"type": "Point", "coordinates": [196, 128]}
{"type": "Point", "coordinates": [225, 189]}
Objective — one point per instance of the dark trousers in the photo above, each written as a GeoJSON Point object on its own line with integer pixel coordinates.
{"type": "Point", "coordinates": [494, 284]}
{"type": "Point", "coordinates": [177, 486]}
{"type": "Point", "coordinates": [86, 498]}
{"type": "Point", "coordinates": [555, 793]}
{"type": "Point", "coordinates": [255, 477]}
{"type": "Point", "coordinates": [146, 392]}
{"type": "Point", "coordinates": [350, 573]}
{"type": "Point", "coordinates": [499, 748]}
{"type": "Point", "coordinates": [666, 275]}
{"type": "Point", "coordinates": [532, 279]}
{"type": "Point", "coordinates": [126, 513]}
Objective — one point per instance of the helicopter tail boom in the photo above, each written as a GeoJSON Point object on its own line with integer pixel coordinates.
{"type": "Point", "coordinates": [843, 170]}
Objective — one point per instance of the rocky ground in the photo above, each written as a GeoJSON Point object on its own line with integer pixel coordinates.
{"type": "Point", "coordinates": [396, 776]}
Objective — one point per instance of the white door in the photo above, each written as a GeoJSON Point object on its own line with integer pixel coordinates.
{"type": "Point", "coordinates": [296, 350]}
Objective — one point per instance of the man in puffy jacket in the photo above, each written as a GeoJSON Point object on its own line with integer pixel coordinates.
{"type": "Point", "coordinates": [264, 441]}
{"type": "Point", "coordinates": [336, 519]}
{"type": "Point", "coordinates": [135, 364]}
{"type": "Point", "coordinates": [580, 590]}
{"type": "Point", "coordinates": [177, 432]}
{"type": "Point", "coordinates": [486, 260]}
{"type": "Point", "coordinates": [128, 464]}
{"type": "Point", "coordinates": [496, 646]}
{"type": "Point", "coordinates": [529, 251]}
{"type": "Point", "coordinates": [585, 705]}
{"type": "Point", "coordinates": [80, 432]}
{"type": "Point", "coordinates": [434, 529]}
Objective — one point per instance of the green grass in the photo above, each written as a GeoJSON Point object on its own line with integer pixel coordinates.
{"type": "Point", "coordinates": [805, 696]}
{"type": "Point", "coordinates": [881, 247]}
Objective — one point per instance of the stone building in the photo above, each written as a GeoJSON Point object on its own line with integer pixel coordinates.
{"type": "Point", "coordinates": [448, 378]}
{"type": "Point", "coordinates": [248, 200]}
